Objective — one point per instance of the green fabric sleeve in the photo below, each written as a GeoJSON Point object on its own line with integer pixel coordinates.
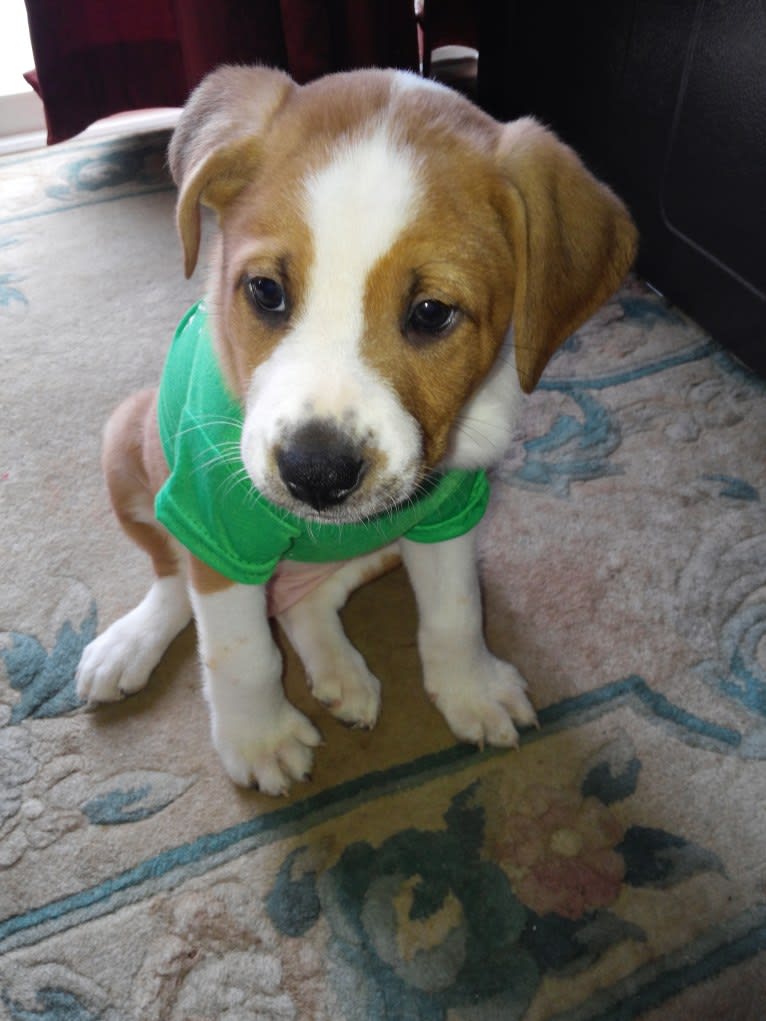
{"type": "Point", "coordinates": [461, 510]}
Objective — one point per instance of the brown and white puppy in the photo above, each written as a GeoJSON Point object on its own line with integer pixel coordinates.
{"type": "Point", "coordinates": [424, 262]}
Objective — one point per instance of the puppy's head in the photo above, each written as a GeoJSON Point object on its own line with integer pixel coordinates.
{"type": "Point", "coordinates": [393, 266]}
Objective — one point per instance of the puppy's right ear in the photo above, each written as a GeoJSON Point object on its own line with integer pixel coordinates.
{"type": "Point", "coordinates": [215, 148]}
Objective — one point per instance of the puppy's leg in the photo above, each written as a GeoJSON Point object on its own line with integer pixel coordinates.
{"type": "Point", "coordinates": [261, 738]}
{"type": "Point", "coordinates": [479, 695]}
{"type": "Point", "coordinates": [337, 674]}
{"type": "Point", "coordinates": [120, 661]}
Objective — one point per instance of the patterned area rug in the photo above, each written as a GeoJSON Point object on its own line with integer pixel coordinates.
{"type": "Point", "coordinates": [613, 868]}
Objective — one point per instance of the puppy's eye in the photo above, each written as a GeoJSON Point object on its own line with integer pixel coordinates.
{"type": "Point", "coordinates": [266, 294]}
{"type": "Point", "coordinates": [431, 317]}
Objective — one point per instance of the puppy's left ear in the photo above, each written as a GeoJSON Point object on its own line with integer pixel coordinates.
{"type": "Point", "coordinates": [215, 149]}
{"type": "Point", "coordinates": [573, 242]}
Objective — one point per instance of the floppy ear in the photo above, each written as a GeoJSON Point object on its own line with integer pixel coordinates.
{"type": "Point", "coordinates": [573, 242]}
{"type": "Point", "coordinates": [215, 148]}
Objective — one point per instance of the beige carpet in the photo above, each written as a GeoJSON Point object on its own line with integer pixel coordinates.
{"type": "Point", "coordinates": [613, 868]}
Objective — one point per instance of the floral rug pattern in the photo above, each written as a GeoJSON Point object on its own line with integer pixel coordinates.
{"type": "Point", "coordinates": [611, 869]}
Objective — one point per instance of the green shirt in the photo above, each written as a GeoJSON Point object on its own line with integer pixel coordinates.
{"type": "Point", "coordinates": [210, 505]}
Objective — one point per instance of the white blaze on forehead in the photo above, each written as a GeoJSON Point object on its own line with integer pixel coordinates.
{"type": "Point", "coordinates": [356, 207]}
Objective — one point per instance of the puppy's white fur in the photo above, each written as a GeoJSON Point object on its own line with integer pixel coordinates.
{"type": "Point", "coordinates": [355, 209]}
{"type": "Point", "coordinates": [484, 428]}
{"type": "Point", "coordinates": [120, 661]}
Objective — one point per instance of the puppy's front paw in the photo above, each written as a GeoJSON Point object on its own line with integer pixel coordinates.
{"type": "Point", "coordinates": [267, 753]}
{"type": "Point", "coordinates": [120, 661]}
{"type": "Point", "coordinates": [117, 663]}
{"type": "Point", "coordinates": [348, 689]}
{"type": "Point", "coordinates": [482, 700]}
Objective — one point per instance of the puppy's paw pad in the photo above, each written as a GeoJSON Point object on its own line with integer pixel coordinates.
{"type": "Point", "coordinates": [349, 691]}
{"type": "Point", "coordinates": [268, 754]}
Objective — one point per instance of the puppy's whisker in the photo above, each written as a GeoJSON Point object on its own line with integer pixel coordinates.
{"type": "Point", "coordinates": [472, 428]}
{"type": "Point", "coordinates": [219, 457]}
{"type": "Point", "coordinates": [202, 426]}
{"type": "Point", "coordinates": [309, 530]}
{"type": "Point", "coordinates": [227, 448]}
{"type": "Point", "coordinates": [233, 480]}
{"type": "Point", "coordinates": [253, 497]}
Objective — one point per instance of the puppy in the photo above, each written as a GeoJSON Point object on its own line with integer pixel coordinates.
{"type": "Point", "coordinates": [393, 270]}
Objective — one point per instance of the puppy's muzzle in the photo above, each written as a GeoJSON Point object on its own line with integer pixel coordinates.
{"type": "Point", "coordinates": [320, 466]}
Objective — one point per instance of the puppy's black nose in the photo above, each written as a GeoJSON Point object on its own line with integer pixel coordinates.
{"type": "Point", "coordinates": [320, 467]}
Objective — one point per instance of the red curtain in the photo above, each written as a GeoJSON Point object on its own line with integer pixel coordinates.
{"type": "Point", "coordinates": [94, 58]}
